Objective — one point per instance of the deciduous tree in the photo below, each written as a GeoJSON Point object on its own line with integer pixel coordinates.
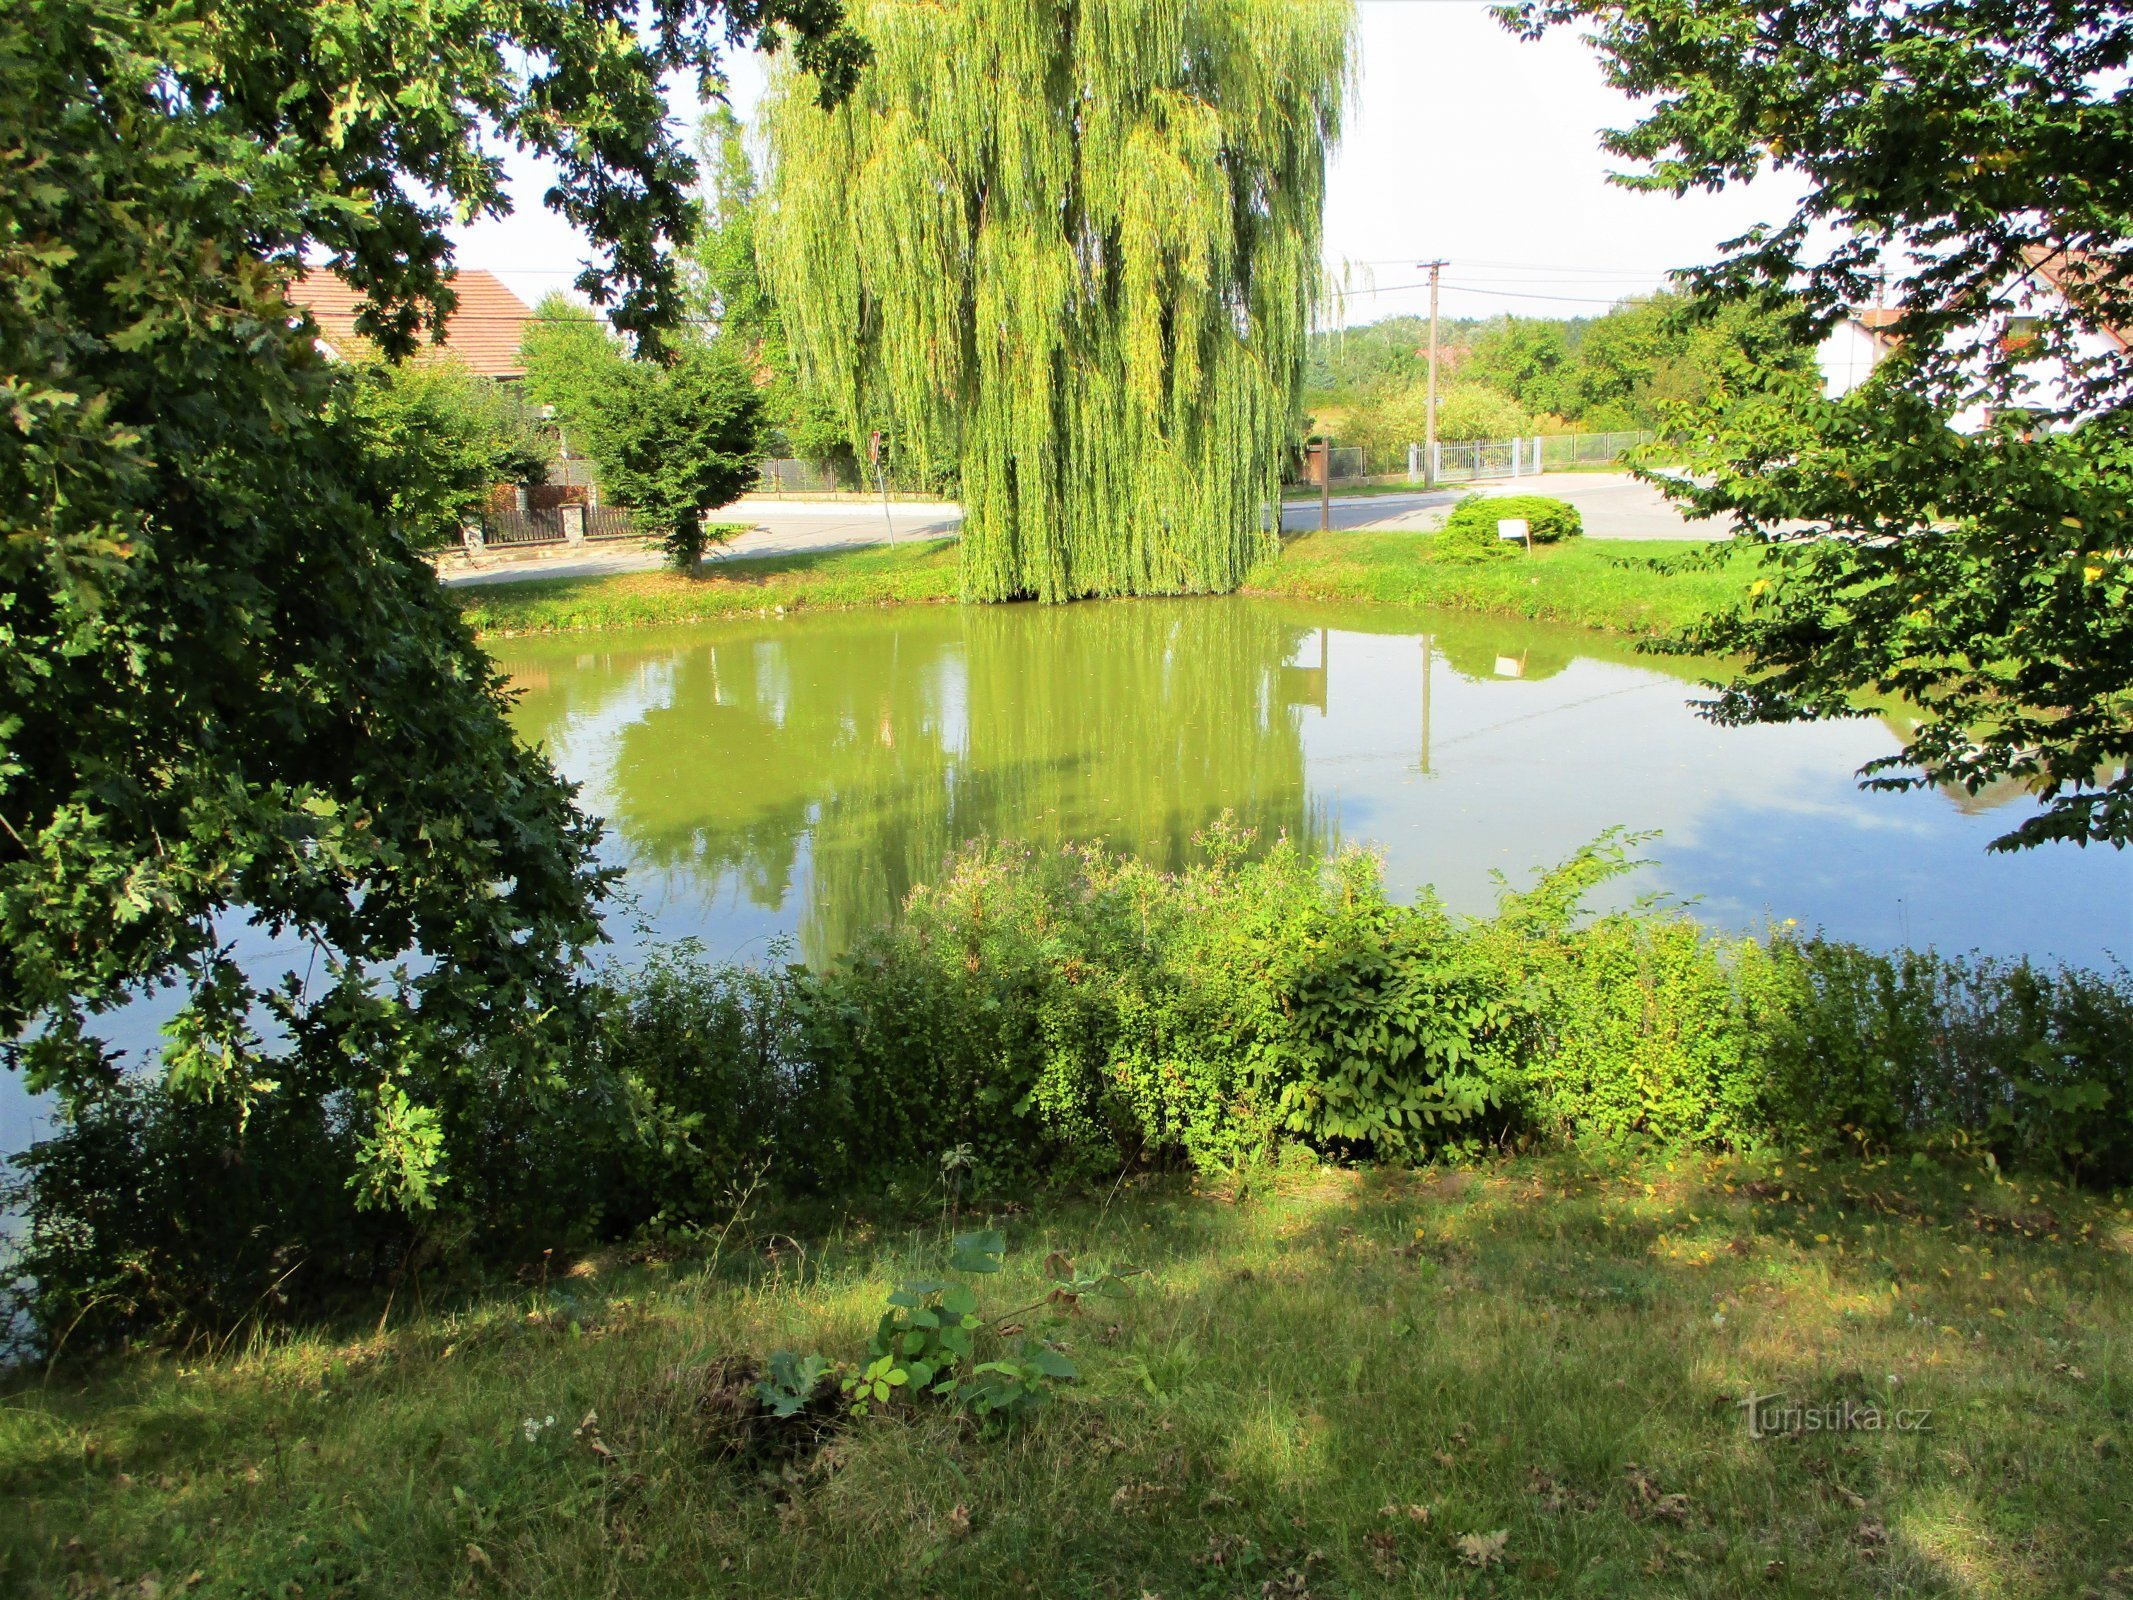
{"type": "Point", "coordinates": [230, 689]}
{"type": "Point", "coordinates": [1071, 248]}
{"type": "Point", "coordinates": [444, 437]}
{"type": "Point", "coordinates": [1969, 159]}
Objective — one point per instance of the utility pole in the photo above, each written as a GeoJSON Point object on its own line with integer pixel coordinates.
{"type": "Point", "coordinates": [1429, 447]}
{"type": "Point", "coordinates": [877, 452]}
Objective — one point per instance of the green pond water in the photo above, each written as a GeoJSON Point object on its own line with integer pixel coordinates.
{"type": "Point", "coordinates": [794, 776]}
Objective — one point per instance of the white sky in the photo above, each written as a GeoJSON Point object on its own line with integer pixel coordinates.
{"type": "Point", "coordinates": [1464, 143]}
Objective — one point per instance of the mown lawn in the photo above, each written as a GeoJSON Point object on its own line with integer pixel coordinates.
{"type": "Point", "coordinates": [1524, 1379]}
{"type": "Point", "coordinates": [1612, 585]}
{"type": "Point", "coordinates": [827, 580]}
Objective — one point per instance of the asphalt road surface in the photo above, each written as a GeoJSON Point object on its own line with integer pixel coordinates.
{"type": "Point", "coordinates": [1615, 506]}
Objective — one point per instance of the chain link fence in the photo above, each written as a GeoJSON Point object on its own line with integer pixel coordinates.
{"type": "Point", "coordinates": [783, 475]}
{"type": "Point", "coordinates": [1588, 449]}
{"type": "Point", "coordinates": [788, 476]}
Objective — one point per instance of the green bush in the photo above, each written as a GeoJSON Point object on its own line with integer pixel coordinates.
{"type": "Point", "coordinates": [1054, 1017]}
{"type": "Point", "coordinates": [149, 1213]}
{"type": "Point", "coordinates": [1891, 1048]}
{"type": "Point", "coordinates": [1471, 525]}
{"type": "Point", "coordinates": [699, 1067]}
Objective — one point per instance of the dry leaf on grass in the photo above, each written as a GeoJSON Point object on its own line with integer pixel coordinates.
{"type": "Point", "coordinates": [1384, 1546]}
{"type": "Point", "coordinates": [1483, 1549]}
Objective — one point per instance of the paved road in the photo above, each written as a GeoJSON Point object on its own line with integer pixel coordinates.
{"type": "Point", "coordinates": [781, 527]}
{"type": "Point", "coordinates": [1615, 506]}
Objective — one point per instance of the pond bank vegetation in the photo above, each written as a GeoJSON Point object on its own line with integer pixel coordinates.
{"type": "Point", "coordinates": [1613, 585]}
{"type": "Point", "coordinates": [1413, 1249]}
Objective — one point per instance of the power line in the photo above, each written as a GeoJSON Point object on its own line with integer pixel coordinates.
{"type": "Point", "coordinates": [1501, 294]}
{"type": "Point", "coordinates": [1569, 269]}
{"type": "Point", "coordinates": [1513, 294]}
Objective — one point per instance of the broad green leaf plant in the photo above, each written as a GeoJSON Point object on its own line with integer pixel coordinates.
{"type": "Point", "coordinates": [234, 702]}
{"type": "Point", "coordinates": [934, 1345]}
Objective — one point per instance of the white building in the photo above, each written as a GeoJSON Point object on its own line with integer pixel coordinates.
{"type": "Point", "coordinates": [2047, 293]}
{"type": "Point", "coordinates": [1851, 350]}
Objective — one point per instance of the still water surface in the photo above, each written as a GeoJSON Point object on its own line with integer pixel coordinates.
{"type": "Point", "coordinates": [797, 775]}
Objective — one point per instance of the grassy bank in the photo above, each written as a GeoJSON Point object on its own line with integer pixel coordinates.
{"type": "Point", "coordinates": [1609, 584]}
{"type": "Point", "coordinates": [1523, 1379]}
{"type": "Point", "coordinates": [1592, 584]}
{"type": "Point", "coordinates": [826, 580]}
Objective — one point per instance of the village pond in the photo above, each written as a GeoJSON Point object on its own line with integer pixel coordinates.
{"type": "Point", "coordinates": [793, 777]}
{"type": "Point", "coordinates": [780, 783]}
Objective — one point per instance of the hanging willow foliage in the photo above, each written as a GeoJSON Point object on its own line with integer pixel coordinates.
{"type": "Point", "coordinates": [1071, 248]}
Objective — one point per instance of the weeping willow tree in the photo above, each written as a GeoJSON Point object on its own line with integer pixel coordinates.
{"type": "Point", "coordinates": [1069, 247]}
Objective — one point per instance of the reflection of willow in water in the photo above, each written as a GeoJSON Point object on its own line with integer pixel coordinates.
{"type": "Point", "coordinates": [1137, 724]}
{"type": "Point", "coordinates": [885, 745]}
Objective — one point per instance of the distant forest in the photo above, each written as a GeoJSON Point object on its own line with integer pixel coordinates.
{"type": "Point", "coordinates": [1636, 367]}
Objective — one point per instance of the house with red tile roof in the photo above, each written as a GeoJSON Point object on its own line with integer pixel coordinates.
{"type": "Point", "coordinates": [483, 330]}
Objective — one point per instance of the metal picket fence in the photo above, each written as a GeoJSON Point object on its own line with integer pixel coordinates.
{"type": "Point", "coordinates": [1468, 460]}
{"type": "Point", "coordinates": [610, 522]}
{"type": "Point", "coordinates": [544, 525]}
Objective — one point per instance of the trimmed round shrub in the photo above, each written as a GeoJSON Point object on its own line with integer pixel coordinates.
{"type": "Point", "coordinates": [1472, 523]}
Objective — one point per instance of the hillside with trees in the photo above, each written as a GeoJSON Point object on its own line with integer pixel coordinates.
{"type": "Point", "coordinates": [1635, 368]}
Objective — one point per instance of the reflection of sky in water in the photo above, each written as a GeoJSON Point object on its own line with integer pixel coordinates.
{"type": "Point", "coordinates": [1755, 823]}
{"type": "Point", "coordinates": [793, 777]}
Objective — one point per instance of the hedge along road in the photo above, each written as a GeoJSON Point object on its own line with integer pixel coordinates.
{"type": "Point", "coordinates": [1613, 504]}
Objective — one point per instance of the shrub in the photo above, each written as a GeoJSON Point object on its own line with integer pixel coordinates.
{"type": "Point", "coordinates": [1910, 1046]}
{"type": "Point", "coordinates": [445, 437]}
{"type": "Point", "coordinates": [1471, 525]}
{"type": "Point", "coordinates": [700, 1064]}
{"type": "Point", "coordinates": [1052, 1017]}
{"type": "Point", "coordinates": [1064, 1013]}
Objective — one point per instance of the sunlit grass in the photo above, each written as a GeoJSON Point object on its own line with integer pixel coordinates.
{"type": "Point", "coordinates": [914, 571]}
{"type": "Point", "coordinates": [1610, 584]}
{"type": "Point", "coordinates": [1323, 1388]}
